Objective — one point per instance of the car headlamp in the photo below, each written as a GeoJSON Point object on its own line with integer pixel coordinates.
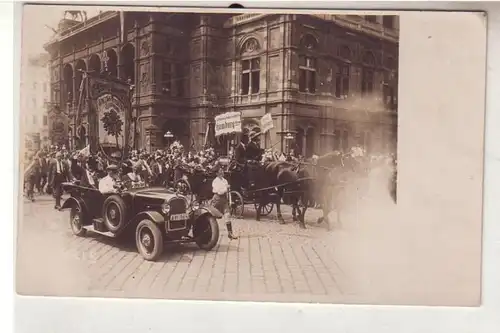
{"type": "Point", "coordinates": [165, 208]}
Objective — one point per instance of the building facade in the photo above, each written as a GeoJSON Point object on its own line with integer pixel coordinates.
{"type": "Point", "coordinates": [35, 92]}
{"type": "Point", "coordinates": [329, 80]}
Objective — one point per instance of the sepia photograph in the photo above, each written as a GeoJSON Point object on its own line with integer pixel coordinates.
{"type": "Point", "coordinates": [246, 156]}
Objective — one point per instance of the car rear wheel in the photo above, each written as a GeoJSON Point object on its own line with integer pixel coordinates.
{"type": "Point", "coordinates": [76, 221]}
{"type": "Point", "coordinates": [206, 232]}
{"type": "Point", "coordinates": [114, 213]}
{"type": "Point", "coordinates": [149, 240]}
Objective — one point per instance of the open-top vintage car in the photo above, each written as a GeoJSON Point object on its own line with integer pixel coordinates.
{"type": "Point", "coordinates": [158, 216]}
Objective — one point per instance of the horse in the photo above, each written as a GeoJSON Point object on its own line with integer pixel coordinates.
{"type": "Point", "coordinates": [272, 179]}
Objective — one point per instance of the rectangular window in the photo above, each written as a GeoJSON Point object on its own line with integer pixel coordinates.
{"type": "Point", "coordinates": [34, 120]}
{"type": "Point", "coordinates": [167, 78]}
{"type": "Point", "coordinates": [180, 80]}
{"type": "Point", "coordinates": [250, 76]}
{"type": "Point", "coordinates": [45, 87]}
{"type": "Point", "coordinates": [45, 121]}
{"type": "Point", "coordinates": [388, 21]}
{"type": "Point", "coordinates": [33, 101]}
{"type": "Point", "coordinates": [307, 74]}
{"type": "Point", "coordinates": [367, 81]}
{"type": "Point", "coordinates": [342, 81]}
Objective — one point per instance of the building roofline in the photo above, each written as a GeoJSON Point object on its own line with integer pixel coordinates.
{"type": "Point", "coordinates": [77, 28]}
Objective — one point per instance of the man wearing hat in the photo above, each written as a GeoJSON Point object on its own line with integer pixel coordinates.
{"type": "Point", "coordinates": [159, 171]}
{"type": "Point", "coordinates": [220, 188]}
{"type": "Point", "coordinates": [240, 150]}
{"type": "Point", "coordinates": [254, 156]}
{"type": "Point", "coordinates": [108, 184]}
{"type": "Point", "coordinates": [253, 151]}
{"type": "Point", "coordinates": [58, 174]}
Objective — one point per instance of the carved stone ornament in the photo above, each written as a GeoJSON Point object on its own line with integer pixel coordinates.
{"type": "Point", "coordinates": [309, 42]}
{"type": "Point", "coordinates": [250, 45]}
{"type": "Point", "coordinates": [145, 47]}
{"type": "Point", "coordinates": [144, 79]}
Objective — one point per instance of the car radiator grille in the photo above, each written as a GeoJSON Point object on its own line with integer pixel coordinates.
{"type": "Point", "coordinates": [177, 206]}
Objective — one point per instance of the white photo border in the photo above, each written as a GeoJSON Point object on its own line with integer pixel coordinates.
{"type": "Point", "coordinates": [58, 315]}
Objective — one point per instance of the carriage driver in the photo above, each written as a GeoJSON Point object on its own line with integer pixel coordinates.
{"type": "Point", "coordinates": [220, 188]}
{"type": "Point", "coordinates": [109, 184]}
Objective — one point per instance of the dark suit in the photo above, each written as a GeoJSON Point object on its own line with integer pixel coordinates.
{"type": "Point", "coordinates": [253, 152]}
{"type": "Point", "coordinates": [44, 171]}
{"type": "Point", "coordinates": [57, 178]}
{"type": "Point", "coordinates": [85, 181]}
{"type": "Point", "coordinates": [160, 178]}
{"type": "Point", "coordinates": [239, 153]}
{"type": "Point", "coordinates": [33, 177]}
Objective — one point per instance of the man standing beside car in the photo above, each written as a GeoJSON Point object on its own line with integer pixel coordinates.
{"type": "Point", "coordinates": [220, 188]}
{"type": "Point", "coordinates": [58, 174]}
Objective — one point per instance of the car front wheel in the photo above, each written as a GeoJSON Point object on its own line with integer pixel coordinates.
{"type": "Point", "coordinates": [149, 240]}
{"type": "Point", "coordinates": [206, 232]}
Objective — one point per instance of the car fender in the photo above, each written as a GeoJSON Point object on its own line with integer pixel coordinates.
{"type": "Point", "coordinates": [207, 210]}
{"type": "Point", "coordinates": [152, 215]}
{"type": "Point", "coordinates": [75, 201]}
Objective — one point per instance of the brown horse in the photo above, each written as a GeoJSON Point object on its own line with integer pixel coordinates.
{"type": "Point", "coordinates": [325, 179]}
{"type": "Point", "coordinates": [271, 180]}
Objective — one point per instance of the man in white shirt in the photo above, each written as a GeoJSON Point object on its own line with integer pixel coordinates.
{"type": "Point", "coordinates": [108, 183]}
{"type": "Point", "coordinates": [220, 188]}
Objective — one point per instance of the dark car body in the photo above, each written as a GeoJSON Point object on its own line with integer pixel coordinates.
{"type": "Point", "coordinates": [174, 215]}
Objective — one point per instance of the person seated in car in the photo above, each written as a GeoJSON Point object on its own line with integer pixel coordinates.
{"type": "Point", "coordinates": [133, 179]}
{"type": "Point", "coordinates": [109, 184]}
{"type": "Point", "coordinates": [90, 177]}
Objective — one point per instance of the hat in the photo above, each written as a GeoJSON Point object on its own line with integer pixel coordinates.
{"type": "Point", "coordinates": [58, 154]}
{"type": "Point", "coordinates": [112, 167]}
{"type": "Point", "coordinates": [253, 135]}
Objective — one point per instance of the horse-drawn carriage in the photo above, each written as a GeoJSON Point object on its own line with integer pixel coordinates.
{"type": "Point", "coordinates": [251, 183]}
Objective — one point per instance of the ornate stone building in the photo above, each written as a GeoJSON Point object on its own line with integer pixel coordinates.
{"type": "Point", "coordinates": [329, 80]}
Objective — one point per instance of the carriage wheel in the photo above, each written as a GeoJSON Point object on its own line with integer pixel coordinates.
{"type": "Point", "coordinates": [183, 187]}
{"type": "Point", "coordinates": [237, 204]}
{"type": "Point", "coordinates": [266, 209]}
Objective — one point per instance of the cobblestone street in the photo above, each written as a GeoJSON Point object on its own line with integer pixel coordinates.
{"type": "Point", "coordinates": [372, 256]}
{"type": "Point", "coordinates": [268, 261]}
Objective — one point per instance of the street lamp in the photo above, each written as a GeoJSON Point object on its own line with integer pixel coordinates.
{"type": "Point", "coordinates": [168, 135]}
{"type": "Point", "coordinates": [288, 137]}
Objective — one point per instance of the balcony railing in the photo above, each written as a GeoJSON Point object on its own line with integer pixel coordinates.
{"type": "Point", "coordinates": [356, 22]}
{"type": "Point", "coordinates": [90, 22]}
{"type": "Point", "coordinates": [243, 18]}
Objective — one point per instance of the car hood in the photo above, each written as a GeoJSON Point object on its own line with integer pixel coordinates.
{"type": "Point", "coordinates": [154, 192]}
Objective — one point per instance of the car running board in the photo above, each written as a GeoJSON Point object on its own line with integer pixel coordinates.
{"type": "Point", "coordinates": [104, 233]}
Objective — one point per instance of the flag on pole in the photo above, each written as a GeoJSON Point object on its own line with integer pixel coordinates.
{"type": "Point", "coordinates": [85, 151]}
{"type": "Point", "coordinates": [205, 142]}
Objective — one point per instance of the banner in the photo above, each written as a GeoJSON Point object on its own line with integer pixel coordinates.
{"type": "Point", "coordinates": [266, 123]}
{"type": "Point", "coordinates": [85, 151]}
{"type": "Point", "coordinates": [226, 123]}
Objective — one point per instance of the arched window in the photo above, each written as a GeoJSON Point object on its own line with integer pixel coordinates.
{"type": "Point", "coordinates": [250, 67]}
{"type": "Point", "coordinates": [307, 64]}
{"type": "Point", "coordinates": [343, 74]}
{"type": "Point", "coordinates": [95, 63]}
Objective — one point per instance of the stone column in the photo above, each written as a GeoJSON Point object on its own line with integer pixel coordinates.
{"type": "Point", "coordinates": [153, 139]}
